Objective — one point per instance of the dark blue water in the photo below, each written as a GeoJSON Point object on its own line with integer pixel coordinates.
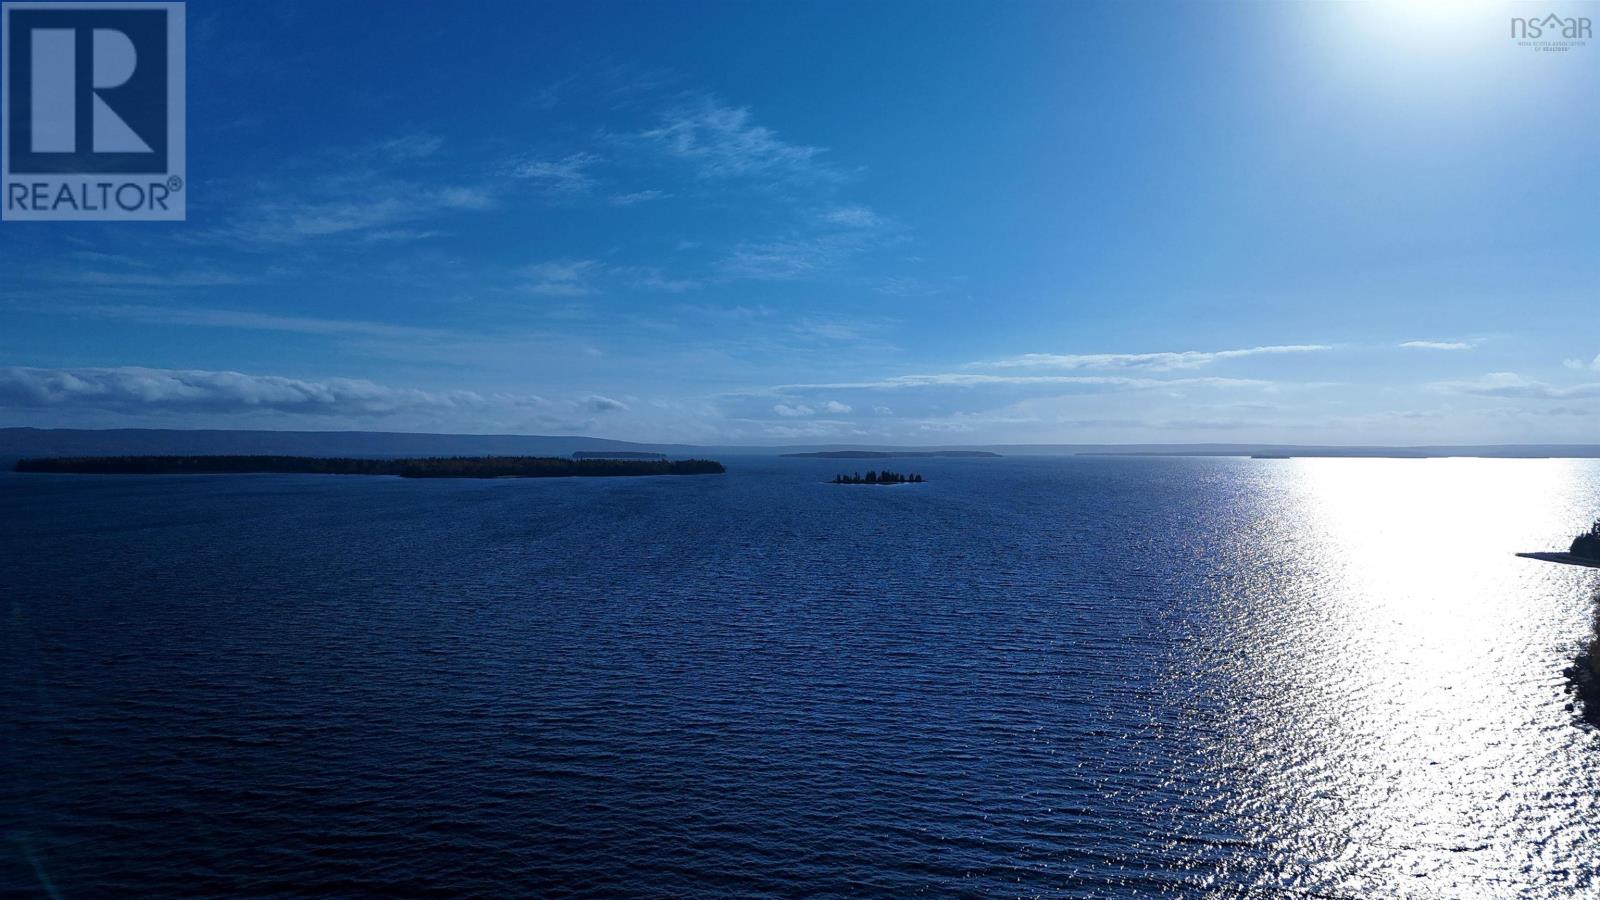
{"type": "Point", "coordinates": [1062, 677]}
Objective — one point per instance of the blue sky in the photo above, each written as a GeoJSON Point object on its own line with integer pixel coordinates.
{"type": "Point", "coordinates": [909, 223]}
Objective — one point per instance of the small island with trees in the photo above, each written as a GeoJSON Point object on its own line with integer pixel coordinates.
{"type": "Point", "coordinates": [430, 467]}
{"type": "Point", "coordinates": [1585, 550]}
{"type": "Point", "coordinates": [884, 477]}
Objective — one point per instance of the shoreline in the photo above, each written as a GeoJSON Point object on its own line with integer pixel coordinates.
{"type": "Point", "coordinates": [1568, 559]}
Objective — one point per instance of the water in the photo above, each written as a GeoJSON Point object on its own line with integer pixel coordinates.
{"type": "Point", "coordinates": [1061, 677]}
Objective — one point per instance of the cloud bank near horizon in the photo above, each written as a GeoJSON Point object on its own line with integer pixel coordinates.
{"type": "Point", "coordinates": [1104, 408]}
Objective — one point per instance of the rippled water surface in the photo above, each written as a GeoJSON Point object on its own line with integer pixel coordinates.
{"type": "Point", "coordinates": [1061, 677]}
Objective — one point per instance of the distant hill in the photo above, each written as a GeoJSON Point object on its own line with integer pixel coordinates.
{"type": "Point", "coordinates": [19, 442]}
{"type": "Point", "coordinates": [891, 454]}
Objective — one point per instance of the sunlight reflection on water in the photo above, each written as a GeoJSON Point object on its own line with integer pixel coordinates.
{"type": "Point", "coordinates": [1397, 720]}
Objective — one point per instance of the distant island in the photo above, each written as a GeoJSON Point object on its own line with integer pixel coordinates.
{"type": "Point", "coordinates": [891, 454]}
{"type": "Point", "coordinates": [429, 467]}
{"type": "Point", "coordinates": [884, 477]}
{"type": "Point", "coordinates": [1585, 550]}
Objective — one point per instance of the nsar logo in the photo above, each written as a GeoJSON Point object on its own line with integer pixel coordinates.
{"type": "Point", "coordinates": [93, 110]}
{"type": "Point", "coordinates": [1552, 33]}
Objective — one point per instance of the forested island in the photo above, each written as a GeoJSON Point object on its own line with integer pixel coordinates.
{"type": "Point", "coordinates": [884, 477]}
{"type": "Point", "coordinates": [428, 467]}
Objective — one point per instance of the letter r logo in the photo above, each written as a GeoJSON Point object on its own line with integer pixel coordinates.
{"type": "Point", "coordinates": [55, 92]}
{"type": "Point", "coordinates": [87, 88]}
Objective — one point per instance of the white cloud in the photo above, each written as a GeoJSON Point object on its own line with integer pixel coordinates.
{"type": "Point", "coordinates": [379, 207]}
{"type": "Point", "coordinates": [411, 146]}
{"type": "Point", "coordinates": [836, 407]}
{"type": "Point", "coordinates": [599, 404]}
{"type": "Point", "coordinates": [723, 141]}
{"type": "Point", "coordinates": [832, 330]}
{"type": "Point", "coordinates": [793, 410]}
{"type": "Point", "coordinates": [968, 379]}
{"type": "Point", "coordinates": [1438, 345]}
{"type": "Point", "coordinates": [1580, 365]}
{"type": "Point", "coordinates": [180, 278]}
{"type": "Point", "coordinates": [224, 396]}
{"type": "Point", "coordinates": [907, 286]}
{"type": "Point", "coordinates": [1185, 359]}
{"type": "Point", "coordinates": [560, 278]}
{"type": "Point", "coordinates": [146, 390]}
{"type": "Point", "coordinates": [1512, 385]}
{"type": "Point", "coordinates": [254, 321]}
{"type": "Point", "coordinates": [567, 175]}
{"type": "Point", "coordinates": [464, 198]}
{"type": "Point", "coordinates": [653, 279]}
{"type": "Point", "coordinates": [790, 258]}
{"type": "Point", "coordinates": [637, 197]}
{"type": "Point", "coordinates": [852, 217]}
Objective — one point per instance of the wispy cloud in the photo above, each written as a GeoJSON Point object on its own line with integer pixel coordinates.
{"type": "Point", "coordinates": [1163, 361]}
{"type": "Point", "coordinates": [1438, 345]}
{"type": "Point", "coordinates": [357, 211]}
{"type": "Point", "coordinates": [599, 404]}
{"type": "Point", "coordinates": [141, 389]}
{"type": "Point", "coordinates": [836, 330]}
{"type": "Point", "coordinates": [968, 379]}
{"type": "Point", "coordinates": [908, 286]}
{"type": "Point", "coordinates": [651, 278]}
{"type": "Point", "coordinates": [583, 277]}
{"type": "Point", "coordinates": [636, 197]}
{"type": "Point", "coordinates": [1580, 365]}
{"type": "Point", "coordinates": [801, 410]}
{"type": "Point", "coordinates": [724, 142]}
{"type": "Point", "coordinates": [137, 392]}
{"type": "Point", "coordinates": [411, 146]}
{"type": "Point", "coordinates": [567, 175]}
{"type": "Point", "coordinates": [560, 278]}
{"type": "Point", "coordinates": [254, 321]}
{"type": "Point", "coordinates": [179, 278]}
{"type": "Point", "coordinates": [1512, 385]}
{"type": "Point", "coordinates": [852, 217]}
{"type": "Point", "coordinates": [793, 258]}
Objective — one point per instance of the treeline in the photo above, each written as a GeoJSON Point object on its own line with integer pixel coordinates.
{"type": "Point", "coordinates": [1587, 545]}
{"type": "Point", "coordinates": [884, 477]}
{"type": "Point", "coordinates": [430, 467]}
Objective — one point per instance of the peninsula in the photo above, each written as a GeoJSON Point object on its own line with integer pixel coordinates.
{"type": "Point", "coordinates": [1585, 550]}
{"type": "Point", "coordinates": [428, 467]}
